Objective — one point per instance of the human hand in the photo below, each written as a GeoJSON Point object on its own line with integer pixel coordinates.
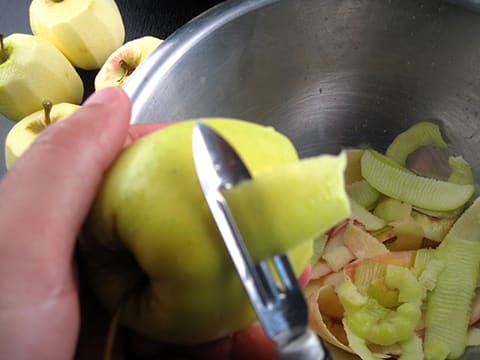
{"type": "Point", "coordinates": [45, 198]}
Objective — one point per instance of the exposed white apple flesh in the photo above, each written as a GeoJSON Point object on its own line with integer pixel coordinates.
{"type": "Point", "coordinates": [32, 70]}
{"type": "Point", "coordinates": [86, 31]}
{"type": "Point", "coordinates": [22, 135]}
{"type": "Point", "coordinates": [123, 61]}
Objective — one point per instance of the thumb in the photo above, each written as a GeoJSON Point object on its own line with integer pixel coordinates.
{"type": "Point", "coordinates": [48, 192]}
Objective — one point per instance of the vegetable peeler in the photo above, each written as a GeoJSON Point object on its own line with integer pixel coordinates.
{"type": "Point", "coordinates": [280, 305]}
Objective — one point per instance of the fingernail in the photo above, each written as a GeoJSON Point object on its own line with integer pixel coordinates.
{"type": "Point", "coordinates": [105, 96]}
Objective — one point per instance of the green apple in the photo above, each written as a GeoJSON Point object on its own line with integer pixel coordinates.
{"type": "Point", "coordinates": [31, 70]}
{"type": "Point", "coordinates": [123, 61]}
{"type": "Point", "coordinates": [24, 132]}
{"type": "Point", "coordinates": [86, 31]}
{"type": "Point", "coordinates": [150, 247]}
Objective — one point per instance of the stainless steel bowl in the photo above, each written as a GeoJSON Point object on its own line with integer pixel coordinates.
{"type": "Point", "coordinates": [328, 74]}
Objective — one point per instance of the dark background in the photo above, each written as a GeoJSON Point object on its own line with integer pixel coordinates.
{"type": "Point", "coordinates": [158, 18]}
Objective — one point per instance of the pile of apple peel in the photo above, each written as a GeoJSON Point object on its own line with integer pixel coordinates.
{"type": "Point", "coordinates": [86, 34]}
{"type": "Point", "coordinates": [398, 279]}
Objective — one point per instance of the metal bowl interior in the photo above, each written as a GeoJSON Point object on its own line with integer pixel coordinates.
{"type": "Point", "coordinates": [328, 74]}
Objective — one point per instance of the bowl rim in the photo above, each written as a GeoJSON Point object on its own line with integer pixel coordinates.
{"type": "Point", "coordinates": [164, 57]}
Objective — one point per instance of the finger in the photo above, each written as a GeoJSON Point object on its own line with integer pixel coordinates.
{"type": "Point", "coordinates": [249, 343]}
{"type": "Point", "coordinates": [137, 131]}
{"type": "Point", "coordinates": [219, 350]}
{"type": "Point", "coordinates": [47, 193]}
{"type": "Point", "coordinates": [252, 343]}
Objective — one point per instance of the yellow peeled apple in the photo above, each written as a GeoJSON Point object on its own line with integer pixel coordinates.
{"type": "Point", "coordinates": [22, 135]}
{"type": "Point", "coordinates": [150, 248]}
{"type": "Point", "coordinates": [123, 61]}
{"type": "Point", "coordinates": [85, 31]}
{"type": "Point", "coordinates": [31, 70]}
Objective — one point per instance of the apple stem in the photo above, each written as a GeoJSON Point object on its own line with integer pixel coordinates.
{"type": "Point", "coordinates": [47, 108]}
{"type": "Point", "coordinates": [38, 126]}
{"type": "Point", "coordinates": [112, 331]}
{"type": "Point", "coordinates": [3, 52]}
{"type": "Point", "coordinates": [127, 69]}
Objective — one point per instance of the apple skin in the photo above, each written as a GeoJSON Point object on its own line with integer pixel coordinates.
{"type": "Point", "coordinates": [35, 70]}
{"type": "Point", "coordinates": [133, 53]}
{"type": "Point", "coordinates": [150, 248]}
{"type": "Point", "coordinates": [20, 136]}
{"type": "Point", "coordinates": [85, 31]}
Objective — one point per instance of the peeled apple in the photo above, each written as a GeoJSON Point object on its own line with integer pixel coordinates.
{"type": "Point", "coordinates": [85, 31]}
{"type": "Point", "coordinates": [34, 70]}
{"type": "Point", "coordinates": [151, 250]}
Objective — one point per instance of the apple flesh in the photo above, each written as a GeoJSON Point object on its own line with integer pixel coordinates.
{"type": "Point", "coordinates": [85, 31]}
{"type": "Point", "coordinates": [123, 61]}
{"type": "Point", "coordinates": [22, 135]}
{"type": "Point", "coordinates": [33, 70]}
{"type": "Point", "coordinates": [286, 215]}
{"type": "Point", "coordinates": [150, 247]}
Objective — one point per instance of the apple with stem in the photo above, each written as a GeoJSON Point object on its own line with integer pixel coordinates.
{"type": "Point", "coordinates": [22, 135]}
{"type": "Point", "coordinates": [123, 61]}
{"type": "Point", "coordinates": [31, 70]}
{"type": "Point", "coordinates": [85, 31]}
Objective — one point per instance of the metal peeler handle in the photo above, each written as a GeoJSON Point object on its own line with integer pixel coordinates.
{"type": "Point", "coordinates": [305, 347]}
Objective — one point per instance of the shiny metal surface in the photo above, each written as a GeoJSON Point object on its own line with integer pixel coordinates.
{"type": "Point", "coordinates": [329, 74]}
{"type": "Point", "coordinates": [469, 4]}
{"type": "Point", "coordinates": [282, 311]}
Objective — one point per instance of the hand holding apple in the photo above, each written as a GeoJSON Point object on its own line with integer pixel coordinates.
{"type": "Point", "coordinates": [45, 198]}
{"type": "Point", "coordinates": [37, 275]}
